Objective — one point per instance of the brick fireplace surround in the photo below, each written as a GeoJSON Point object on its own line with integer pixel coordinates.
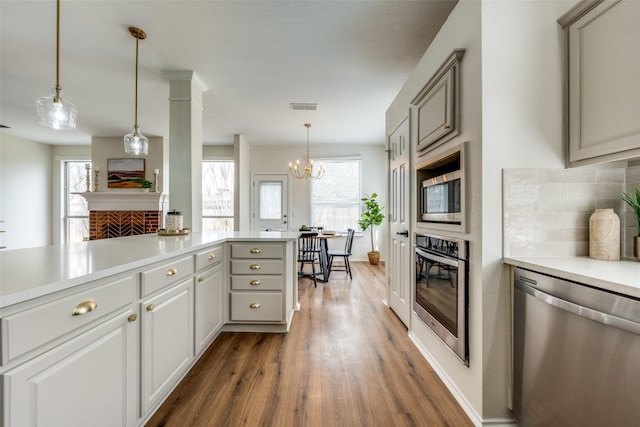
{"type": "Point", "coordinates": [118, 214]}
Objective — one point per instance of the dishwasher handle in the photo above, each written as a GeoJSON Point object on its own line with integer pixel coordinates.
{"type": "Point", "coordinates": [586, 312]}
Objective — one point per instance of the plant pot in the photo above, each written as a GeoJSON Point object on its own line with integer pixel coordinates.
{"type": "Point", "coordinates": [145, 190]}
{"type": "Point", "coordinates": [636, 247]}
{"type": "Point", "coordinates": [374, 257]}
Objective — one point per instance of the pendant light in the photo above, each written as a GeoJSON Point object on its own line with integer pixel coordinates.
{"type": "Point", "coordinates": [52, 111]}
{"type": "Point", "coordinates": [136, 143]}
{"type": "Point", "coordinates": [307, 172]}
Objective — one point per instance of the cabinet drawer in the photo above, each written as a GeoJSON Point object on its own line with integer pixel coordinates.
{"type": "Point", "coordinates": [31, 328]}
{"type": "Point", "coordinates": [256, 267]}
{"type": "Point", "coordinates": [209, 257]}
{"type": "Point", "coordinates": [256, 307]}
{"type": "Point", "coordinates": [257, 283]}
{"type": "Point", "coordinates": [161, 276]}
{"type": "Point", "coordinates": [256, 250]}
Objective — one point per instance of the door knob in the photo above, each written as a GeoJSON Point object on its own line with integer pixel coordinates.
{"type": "Point", "coordinates": [404, 233]}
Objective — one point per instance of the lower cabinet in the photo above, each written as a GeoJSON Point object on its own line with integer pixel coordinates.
{"type": "Point", "coordinates": [167, 341]}
{"type": "Point", "coordinates": [209, 306]}
{"type": "Point", "coordinates": [62, 386]}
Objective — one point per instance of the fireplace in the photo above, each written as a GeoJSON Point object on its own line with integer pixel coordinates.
{"type": "Point", "coordinates": [118, 214]}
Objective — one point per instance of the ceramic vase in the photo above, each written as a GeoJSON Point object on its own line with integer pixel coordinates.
{"type": "Point", "coordinates": [604, 235]}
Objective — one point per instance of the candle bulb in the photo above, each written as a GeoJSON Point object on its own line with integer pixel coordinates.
{"type": "Point", "coordinates": [97, 169]}
{"type": "Point", "coordinates": [87, 166]}
{"type": "Point", "coordinates": [156, 171]}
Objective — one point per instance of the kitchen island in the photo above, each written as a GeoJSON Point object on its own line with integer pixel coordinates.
{"type": "Point", "coordinates": [100, 332]}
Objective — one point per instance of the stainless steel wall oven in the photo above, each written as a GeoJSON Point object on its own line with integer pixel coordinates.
{"type": "Point", "coordinates": [441, 294]}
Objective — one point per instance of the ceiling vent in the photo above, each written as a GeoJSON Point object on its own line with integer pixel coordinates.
{"type": "Point", "coordinates": [308, 106]}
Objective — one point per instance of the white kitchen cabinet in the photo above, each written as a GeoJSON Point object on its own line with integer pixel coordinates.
{"type": "Point", "coordinates": [438, 105]}
{"type": "Point", "coordinates": [91, 379]}
{"type": "Point", "coordinates": [209, 297]}
{"type": "Point", "coordinates": [167, 348]}
{"type": "Point", "coordinates": [603, 82]}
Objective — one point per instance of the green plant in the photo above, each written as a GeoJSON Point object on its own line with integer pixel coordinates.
{"type": "Point", "coordinates": [145, 183]}
{"type": "Point", "coordinates": [371, 216]}
{"type": "Point", "coordinates": [633, 200]}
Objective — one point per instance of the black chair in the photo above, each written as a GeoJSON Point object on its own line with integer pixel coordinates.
{"type": "Point", "coordinates": [309, 253]}
{"type": "Point", "coordinates": [344, 254]}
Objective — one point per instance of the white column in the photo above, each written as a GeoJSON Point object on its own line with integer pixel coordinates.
{"type": "Point", "coordinates": [185, 145]}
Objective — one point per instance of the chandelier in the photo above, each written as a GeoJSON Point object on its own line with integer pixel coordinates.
{"type": "Point", "coordinates": [52, 111]}
{"type": "Point", "coordinates": [136, 143]}
{"type": "Point", "coordinates": [307, 171]}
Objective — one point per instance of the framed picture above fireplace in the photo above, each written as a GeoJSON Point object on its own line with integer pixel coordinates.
{"type": "Point", "coordinates": [125, 173]}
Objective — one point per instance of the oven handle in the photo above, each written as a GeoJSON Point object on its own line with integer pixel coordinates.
{"type": "Point", "coordinates": [448, 261]}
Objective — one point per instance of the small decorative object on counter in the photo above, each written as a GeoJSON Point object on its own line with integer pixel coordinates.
{"type": "Point", "coordinates": [96, 173]}
{"type": "Point", "coordinates": [87, 167]}
{"type": "Point", "coordinates": [173, 221]}
{"type": "Point", "coordinates": [633, 200]}
{"type": "Point", "coordinates": [604, 235]}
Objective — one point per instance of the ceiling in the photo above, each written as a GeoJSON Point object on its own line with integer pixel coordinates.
{"type": "Point", "coordinates": [256, 57]}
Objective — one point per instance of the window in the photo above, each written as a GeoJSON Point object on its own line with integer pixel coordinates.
{"type": "Point", "coordinates": [76, 212]}
{"type": "Point", "coordinates": [335, 198]}
{"type": "Point", "coordinates": [217, 196]}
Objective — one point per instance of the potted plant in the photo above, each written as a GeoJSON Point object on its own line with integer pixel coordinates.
{"type": "Point", "coordinates": [146, 185]}
{"type": "Point", "coordinates": [633, 200]}
{"type": "Point", "coordinates": [371, 217]}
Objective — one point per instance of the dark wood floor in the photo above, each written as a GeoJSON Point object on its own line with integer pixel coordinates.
{"type": "Point", "coordinates": [347, 361]}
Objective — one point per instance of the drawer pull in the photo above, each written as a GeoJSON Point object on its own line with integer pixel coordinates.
{"type": "Point", "coordinates": [255, 266]}
{"type": "Point", "coordinates": [212, 255]}
{"type": "Point", "coordinates": [200, 279]}
{"type": "Point", "coordinates": [254, 305]}
{"type": "Point", "coordinates": [151, 307]}
{"type": "Point", "coordinates": [132, 318]}
{"type": "Point", "coordinates": [255, 250]}
{"type": "Point", "coordinates": [254, 282]}
{"type": "Point", "coordinates": [172, 271]}
{"type": "Point", "coordinates": [84, 307]}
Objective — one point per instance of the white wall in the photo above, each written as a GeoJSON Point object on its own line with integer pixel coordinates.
{"type": "Point", "coordinates": [25, 192]}
{"type": "Point", "coordinates": [275, 159]}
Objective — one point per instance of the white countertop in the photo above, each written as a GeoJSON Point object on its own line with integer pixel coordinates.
{"type": "Point", "coordinates": [33, 272]}
{"type": "Point", "coordinates": [617, 276]}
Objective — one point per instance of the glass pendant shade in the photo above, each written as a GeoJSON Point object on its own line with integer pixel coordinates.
{"type": "Point", "coordinates": [136, 143]}
{"type": "Point", "coordinates": [56, 113]}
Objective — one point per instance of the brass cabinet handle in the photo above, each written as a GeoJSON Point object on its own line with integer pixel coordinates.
{"type": "Point", "coordinates": [255, 250]}
{"type": "Point", "coordinates": [84, 307]}
{"type": "Point", "coordinates": [200, 279]}
{"type": "Point", "coordinates": [132, 317]}
{"type": "Point", "coordinates": [254, 282]}
{"type": "Point", "coordinates": [254, 305]}
{"type": "Point", "coordinates": [172, 271]}
{"type": "Point", "coordinates": [255, 266]}
{"type": "Point", "coordinates": [151, 307]}
{"type": "Point", "coordinates": [446, 126]}
{"type": "Point", "coordinates": [212, 255]}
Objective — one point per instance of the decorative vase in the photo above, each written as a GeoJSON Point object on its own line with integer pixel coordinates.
{"type": "Point", "coordinates": [636, 247]}
{"type": "Point", "coordinates": [374, 257]}
{"type": "Point", "coordinates": [604, 235]}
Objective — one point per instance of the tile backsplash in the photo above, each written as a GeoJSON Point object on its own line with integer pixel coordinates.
{"type": "Point", "coordinates": [546, 211]}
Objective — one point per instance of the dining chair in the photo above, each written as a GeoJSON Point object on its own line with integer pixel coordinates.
{"type": "Point", "coordinates": [309, 253]}
{"type": "Point", "coordinates": [344, 254]}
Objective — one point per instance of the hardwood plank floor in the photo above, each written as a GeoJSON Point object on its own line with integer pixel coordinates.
{"type": "Point", "coordinates": [347, 361]}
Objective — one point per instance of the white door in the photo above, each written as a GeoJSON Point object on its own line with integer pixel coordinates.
{"type": "Point", "coordinates": [400, 247]}
{"type": "Point", "coordinates": [270, 205]}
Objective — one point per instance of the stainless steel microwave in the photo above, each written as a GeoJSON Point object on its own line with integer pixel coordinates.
{"type": "Point", "coordinates": [442, 198]}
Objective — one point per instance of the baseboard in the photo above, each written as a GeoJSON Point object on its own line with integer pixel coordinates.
{"type": "Point", "coordinates": [476, 419]}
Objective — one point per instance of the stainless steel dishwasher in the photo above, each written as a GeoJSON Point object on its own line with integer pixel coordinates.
{"type": "Point", "coordinates": [576, 354]}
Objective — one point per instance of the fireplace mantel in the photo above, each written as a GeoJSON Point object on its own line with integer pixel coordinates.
{"type": "Point", "coordinates": [125, 201]}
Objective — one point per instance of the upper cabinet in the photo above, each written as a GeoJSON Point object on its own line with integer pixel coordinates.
{"type": "Point", "coordinates": [602, 81]}
{"type": "Point", "coordinates": [438, 104]}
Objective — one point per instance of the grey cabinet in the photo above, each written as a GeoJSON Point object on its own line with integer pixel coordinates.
{"type": "Point", "coordinates": [438, 105]}
{"type": "Point", "coordinates": [602, 81]}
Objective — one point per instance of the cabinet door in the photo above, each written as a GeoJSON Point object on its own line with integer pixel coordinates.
{"type": "Point", "coordinates": [209, 306]}
{"type": "Point", "coordinates": [604, 83]}
{"type": "Point", "coordinates": [89, 380]}
{"type": "Point", "coordinates": [167, 341]}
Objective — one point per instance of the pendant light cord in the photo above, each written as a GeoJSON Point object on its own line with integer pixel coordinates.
{"type": "Point", "coordinates": [136, 106]}
{"type": "Point", "coordinates": [57, 98]}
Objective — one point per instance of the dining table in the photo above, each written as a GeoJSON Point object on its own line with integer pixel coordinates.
{"type": "Point", "coordinates": [323, 274]}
